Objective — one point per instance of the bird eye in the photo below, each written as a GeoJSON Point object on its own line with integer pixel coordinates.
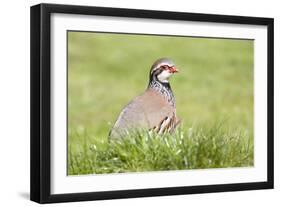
{"type": "Point", "coordinates": [165, 67]}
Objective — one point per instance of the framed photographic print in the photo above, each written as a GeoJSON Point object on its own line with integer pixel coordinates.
{"type": "Point", "coordinates": [132, 103]}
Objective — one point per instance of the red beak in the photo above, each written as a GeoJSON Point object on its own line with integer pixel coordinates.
{"type": "Point", "coordinates": [173, 69]}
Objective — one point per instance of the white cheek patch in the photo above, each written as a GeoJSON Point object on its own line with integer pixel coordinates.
{"type": "Point", "coordinates": [164, 76]}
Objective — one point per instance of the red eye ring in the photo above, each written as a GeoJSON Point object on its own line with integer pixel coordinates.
{"type": "Point", "coordinates": [171, 69]}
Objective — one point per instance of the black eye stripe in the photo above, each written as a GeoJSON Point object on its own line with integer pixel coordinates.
{"type": "Point", "coordinates": [165, 67]}
{"type": "Point", "coordinates": [160, 69]}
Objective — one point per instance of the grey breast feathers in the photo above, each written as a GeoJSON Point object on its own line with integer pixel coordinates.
{"type": "Point", "coordinates": [146, 111]}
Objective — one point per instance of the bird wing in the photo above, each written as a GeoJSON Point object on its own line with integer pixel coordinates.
{"type": "Point", "coordinates": [156, 109]}
{"type": "Point", "coordinates": [146, 111]}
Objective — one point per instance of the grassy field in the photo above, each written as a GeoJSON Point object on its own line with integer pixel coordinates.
{"type": "Point", "coordinates": [214, 94]}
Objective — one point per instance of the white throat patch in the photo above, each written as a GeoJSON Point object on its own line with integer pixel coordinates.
{"type": "Point", "coordinates": [164, 76]}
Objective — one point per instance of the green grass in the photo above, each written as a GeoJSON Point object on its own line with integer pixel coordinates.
{"type": "Point", "coordinates": [105, 71]}
{"type": "Point", "coordinates": [195, 148]}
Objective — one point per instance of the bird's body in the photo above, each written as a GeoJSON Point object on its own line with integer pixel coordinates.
{"type": "Point", "coordinates": [152, 110]}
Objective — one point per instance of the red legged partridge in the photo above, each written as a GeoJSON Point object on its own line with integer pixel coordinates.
{"type": "Point", "coordinates": [155, 109]}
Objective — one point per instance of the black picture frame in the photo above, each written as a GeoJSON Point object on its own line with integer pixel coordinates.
{"type": "Point", "coordinates": [41, 102]}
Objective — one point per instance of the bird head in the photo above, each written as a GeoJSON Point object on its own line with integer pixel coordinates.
{"type": "Point", "coordinates": [162, 69]}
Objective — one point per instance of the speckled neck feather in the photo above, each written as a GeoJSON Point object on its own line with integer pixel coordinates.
{"type": "Point", "coordinates": [162, 88]}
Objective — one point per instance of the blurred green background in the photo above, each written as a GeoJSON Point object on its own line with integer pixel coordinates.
{"type": "Point", "coordinates": [105, 71]}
